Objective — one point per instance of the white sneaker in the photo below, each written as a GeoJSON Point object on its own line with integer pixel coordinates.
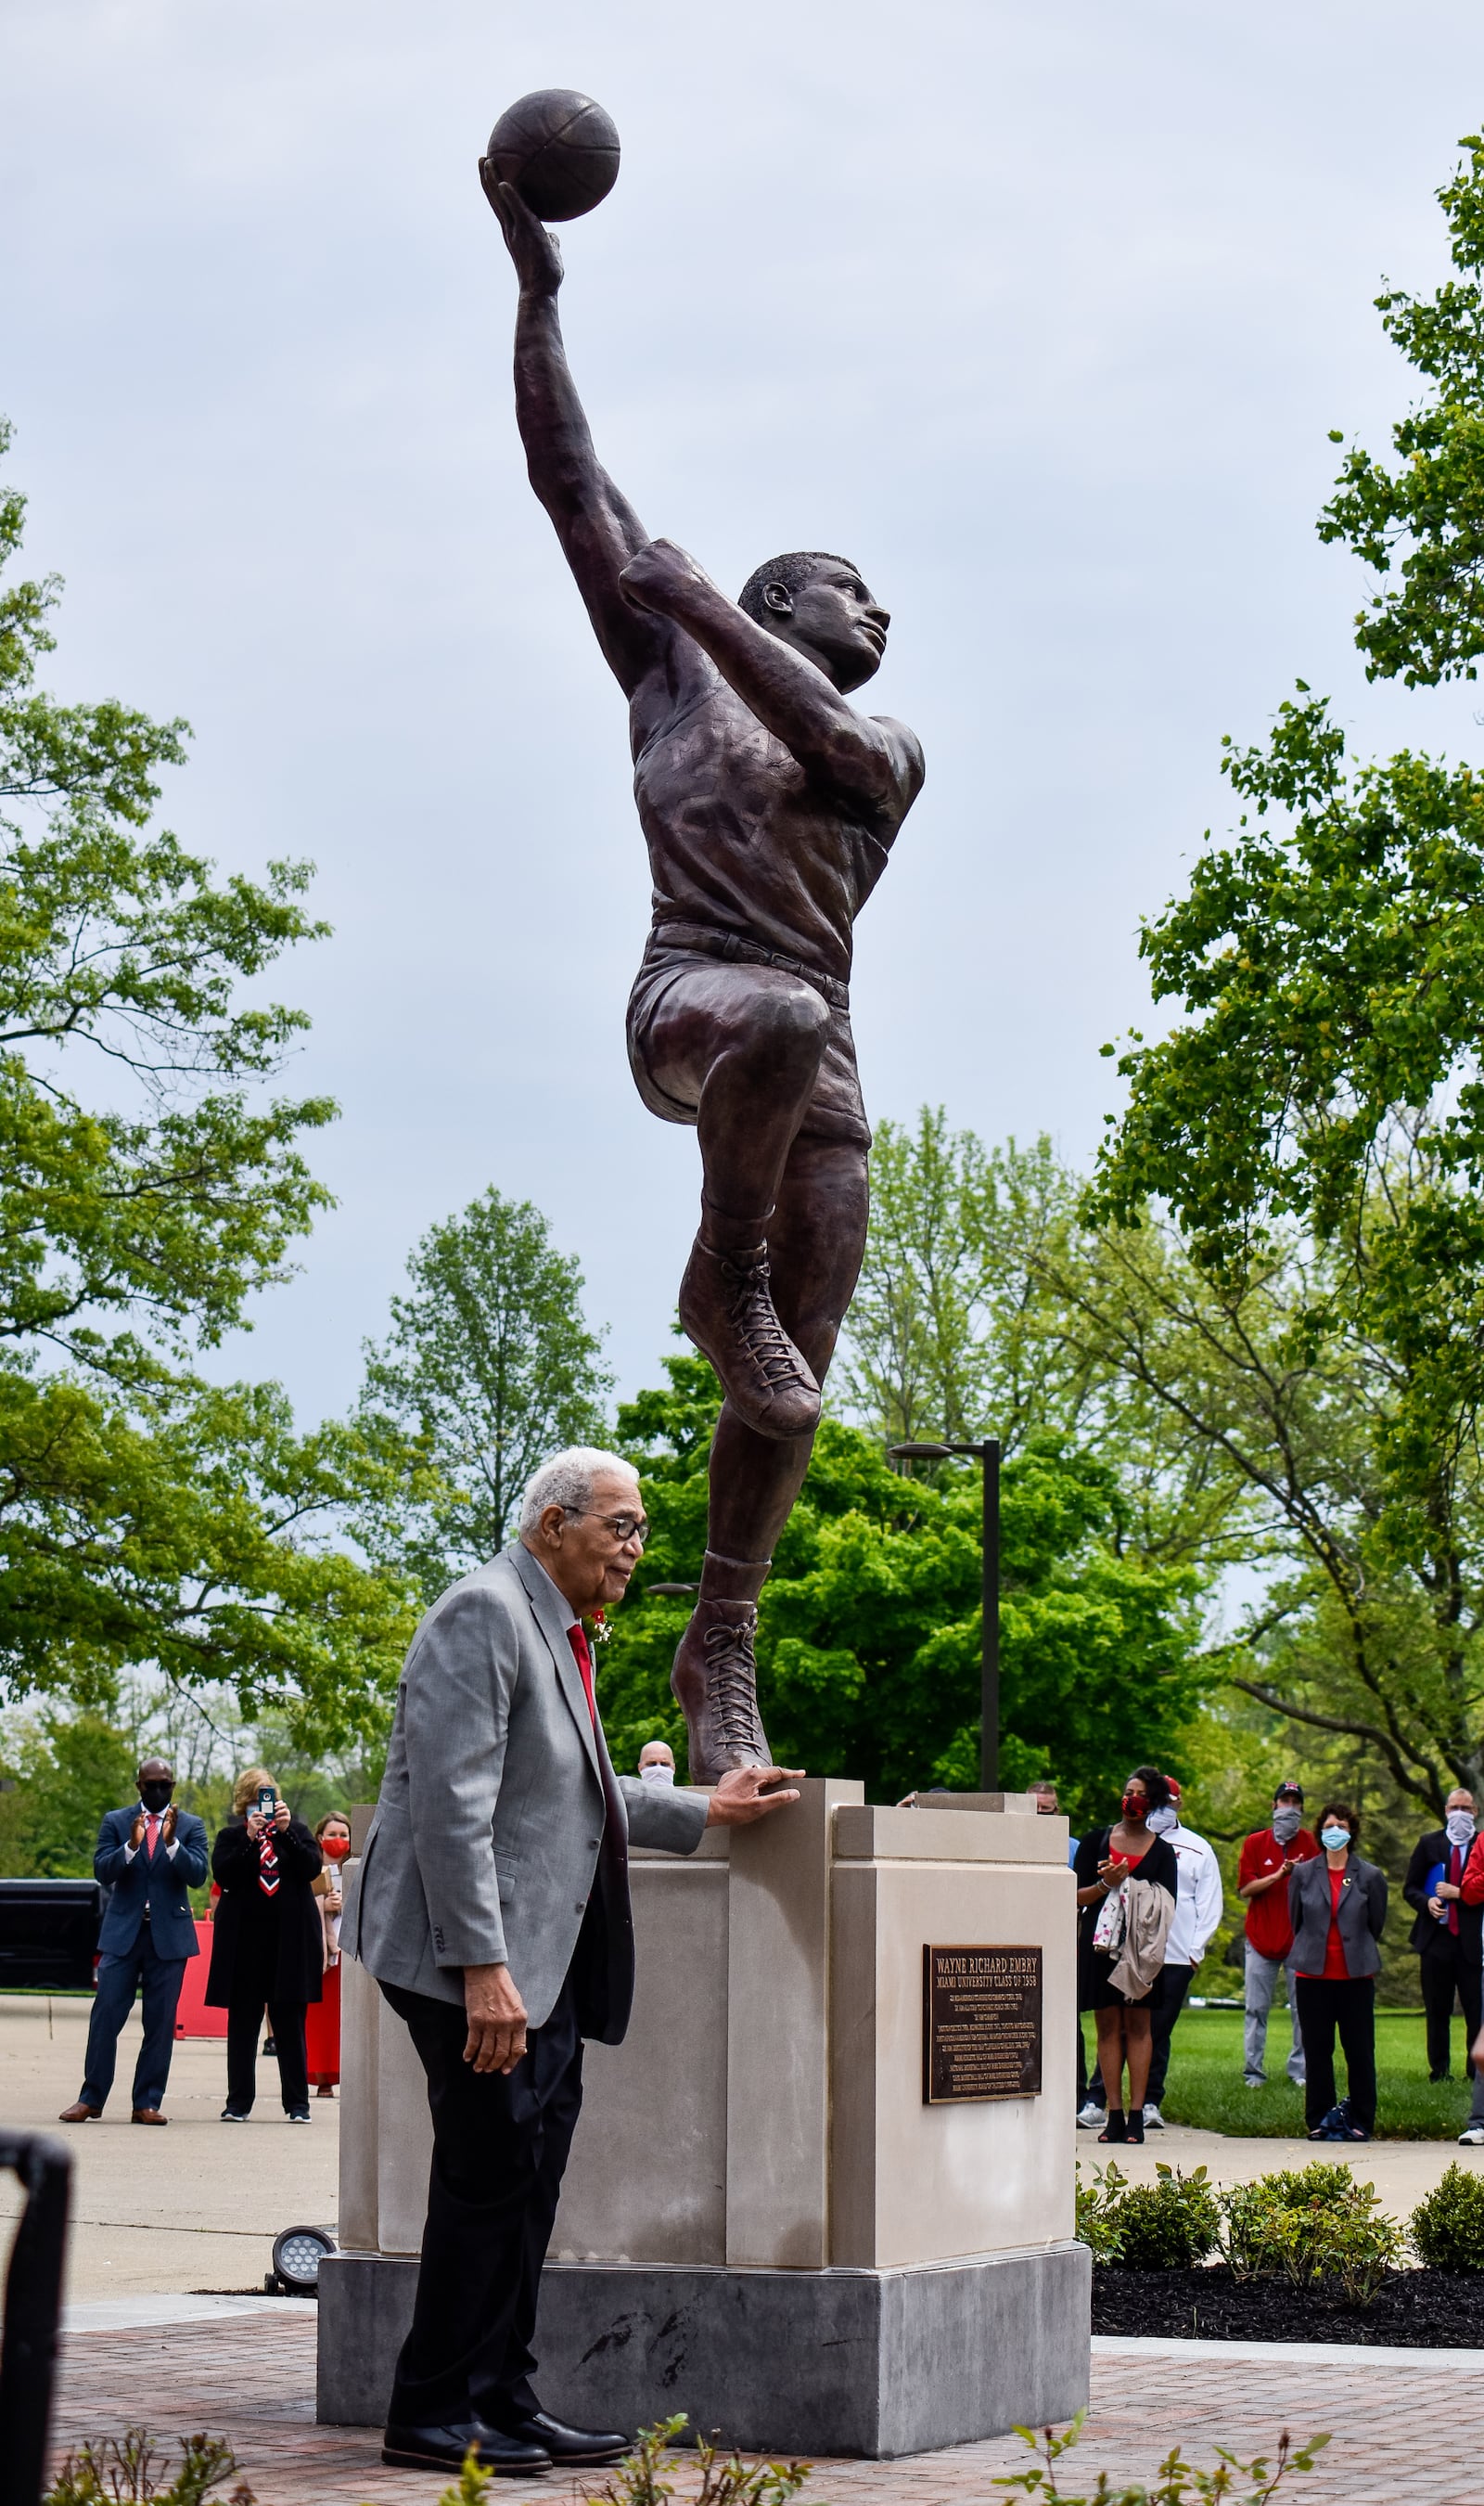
{"type": "Point", "coordinates": [1092, 2118]}
{"type": "Point", "coordinates": [1153, 2120]}
{"type": "Point", "coordinates": [1471, 2137]}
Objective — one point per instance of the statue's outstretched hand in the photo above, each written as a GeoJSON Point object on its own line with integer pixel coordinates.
{"type": "Point", "coordinates": [746, 1792]}
{"type": "Point", "coordinates": [536, 253]}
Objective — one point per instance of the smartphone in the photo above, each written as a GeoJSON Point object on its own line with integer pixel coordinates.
{"type": "Point", "coordinates": [268, 1801]}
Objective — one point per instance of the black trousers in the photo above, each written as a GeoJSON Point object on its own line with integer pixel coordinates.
{"type": "Point", "coordinates": [157, 1981]}
{"type": "Point", "coordinates": [1349, 2006]}
{"type": "Point", "coordinates": [286, 2020]}
{"type": "Point", "coordinates": [1169, 2002]}
{"type": "Point", "coordinates": [500, 2147]}
{"type": "Point", "coordinates": [1447, 1969]}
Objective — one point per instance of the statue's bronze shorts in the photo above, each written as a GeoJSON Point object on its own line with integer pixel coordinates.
{"type": "Point", "coordinates": [835, 1111]}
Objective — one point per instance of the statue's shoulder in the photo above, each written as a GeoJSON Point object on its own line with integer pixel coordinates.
{"type": "Point", "coordinates": [908, 761]}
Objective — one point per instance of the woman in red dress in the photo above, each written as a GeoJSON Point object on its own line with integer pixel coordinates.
{"type": "Point", "coordinates": [323, 2031]}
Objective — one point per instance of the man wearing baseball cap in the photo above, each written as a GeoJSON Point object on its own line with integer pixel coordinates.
{"type": "Point", "coordinates": [1268, 1855]}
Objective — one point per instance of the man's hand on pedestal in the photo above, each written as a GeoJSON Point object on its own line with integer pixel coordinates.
{"type": "Point", "coordinates": [746, 1792]}
{"type": "Point", "coordinates": [496, 2016]}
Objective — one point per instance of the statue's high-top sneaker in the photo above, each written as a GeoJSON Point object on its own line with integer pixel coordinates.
{"type": "Point", "coordinates": [727, 1307]}
{"type": "Point", "coordinates": [715, 1682]}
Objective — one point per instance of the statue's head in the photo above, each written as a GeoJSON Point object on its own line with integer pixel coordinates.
{"type": "Point", "coordinates": [819, 603]}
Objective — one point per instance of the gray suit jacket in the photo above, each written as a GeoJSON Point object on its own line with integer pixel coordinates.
{"type": "Point", "coordinates": [500, 1809]}
{"type": "Point", "coordinates": [1361, 1915]}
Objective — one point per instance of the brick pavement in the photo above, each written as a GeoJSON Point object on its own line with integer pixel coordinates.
{"type": "Point", "coordinates": [1408, 2424]}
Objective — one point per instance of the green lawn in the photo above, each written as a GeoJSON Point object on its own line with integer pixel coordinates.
{"type": "Point", "coordinates": [1206, 2088]}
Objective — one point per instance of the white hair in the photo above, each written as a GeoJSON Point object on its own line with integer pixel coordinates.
{"type": "Point", "coordinates": [566, 1479]}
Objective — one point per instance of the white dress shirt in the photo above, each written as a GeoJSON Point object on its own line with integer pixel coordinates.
{"type": "Point", "coordinates": [1199, 1901]}
{"type": "Point", "coordinates": [158, 1816]}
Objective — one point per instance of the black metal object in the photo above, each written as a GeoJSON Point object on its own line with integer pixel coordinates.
{"type": "Point", "coordinates": [49, 1933]}
{"type": "Point", "coordinates": [33, 2305]}
{"type": "Point", "coordinates": [986, 1452]}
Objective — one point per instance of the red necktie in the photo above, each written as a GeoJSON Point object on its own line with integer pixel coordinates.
{"type": "Point", "coordinates": [581, 1654]}
{"type": "Point", "coordinates": [150, 1837]}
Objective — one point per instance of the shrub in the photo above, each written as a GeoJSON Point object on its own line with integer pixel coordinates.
{"type": "Point", "coordinates": [1316, 2227]}
{"type": "Point", "coordinates": [1180, 2483]}
{"type": "Point", "coordinates": [131, 2468]}
{"type": "Point", "coordinates": [1448, 2225]}
{"type": "Point", "coordinates": [726, 2478]}
{"type": "Point", "coordinates": [1164, 2226]}
{"type": "Point", "coordinates": [1097, 2212]}
{"type": "Point", "coordinates": [1168, 2225]}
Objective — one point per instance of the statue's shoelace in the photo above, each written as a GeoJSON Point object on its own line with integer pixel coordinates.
{"type": "Point", "coordinates": [732, 1683]}
{"type": "Point", "coordinates": [751, 1312]}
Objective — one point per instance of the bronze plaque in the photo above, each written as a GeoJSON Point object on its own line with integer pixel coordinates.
{"type": "Point", "coordinates": [981, 2023]}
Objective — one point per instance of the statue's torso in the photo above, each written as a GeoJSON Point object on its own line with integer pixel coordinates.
{"type": "Point", "coordinates": [742, 838]}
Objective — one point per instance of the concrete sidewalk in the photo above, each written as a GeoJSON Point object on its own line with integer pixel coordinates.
{"type": "Point", "coordinates": [194, 2206]}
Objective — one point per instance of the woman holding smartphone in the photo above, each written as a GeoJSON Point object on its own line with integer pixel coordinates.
{"type": "Point", "coordinates": [1338, 1909]}
{"type": "Point", "coordinates": [268, 1943]}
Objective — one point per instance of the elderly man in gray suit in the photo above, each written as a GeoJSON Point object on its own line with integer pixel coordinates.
{"type": "Point", "coordinates": [492, 1907]}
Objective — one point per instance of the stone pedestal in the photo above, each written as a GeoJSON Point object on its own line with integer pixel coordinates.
{"type": "Point", "coordinates": [764, 2224]}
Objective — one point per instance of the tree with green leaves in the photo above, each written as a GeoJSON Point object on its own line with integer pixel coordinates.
{"type": "Point", "coordinates": [939, 1341]}
{"type": "Point", "coordinates": [870, 1625]}
{"type": "Point", "coordinates": [1313, 1125]}
{"type": "Point", "coordinates": [61, 1772]}
{"type": "Point", "coordinates": [1421, 525]}
{"type": "Point", "coordinates": [149, 1187]}
{"type": "Point", "coordinates": [489, 1367]}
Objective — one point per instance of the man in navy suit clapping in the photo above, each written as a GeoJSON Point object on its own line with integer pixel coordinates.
{"type": "Point", "coordinates": [148, 1857]}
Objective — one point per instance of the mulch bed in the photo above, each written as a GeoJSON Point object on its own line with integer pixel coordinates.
{"type": "Point", "coordinates": [1426, 2310]}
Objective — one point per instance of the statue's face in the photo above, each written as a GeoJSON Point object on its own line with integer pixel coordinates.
{"type": "Point", "coordinates": [835, 621]}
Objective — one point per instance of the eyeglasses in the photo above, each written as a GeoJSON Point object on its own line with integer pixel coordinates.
{"type": "Point", "coordinates": [624, 1527]}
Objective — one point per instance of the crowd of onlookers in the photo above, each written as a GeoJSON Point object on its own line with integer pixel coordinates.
{"type": "Point", "coordinates": [1149, 1901]}
{"type": "Point", "coordinates": [276, 1926]}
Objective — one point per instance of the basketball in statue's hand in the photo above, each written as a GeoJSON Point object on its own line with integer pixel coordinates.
{"type": "Point", "coordinates": [558, 150]}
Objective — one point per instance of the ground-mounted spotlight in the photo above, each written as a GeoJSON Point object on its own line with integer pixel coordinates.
{"type": "Point", "coordinates": [297, 2253]}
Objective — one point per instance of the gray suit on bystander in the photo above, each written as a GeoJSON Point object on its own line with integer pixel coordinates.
{"type": "Point", "coordinates": [499, 1807]}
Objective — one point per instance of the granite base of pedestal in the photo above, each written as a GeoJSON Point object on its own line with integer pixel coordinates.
{"type": "Point", "coordinates": [805, 2362]}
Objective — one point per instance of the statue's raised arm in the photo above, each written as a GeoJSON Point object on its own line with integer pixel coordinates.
{"type": "Point", "coordinates": [599, 530]}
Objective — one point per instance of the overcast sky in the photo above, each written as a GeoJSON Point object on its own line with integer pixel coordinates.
{"type": "Point", "coordinates": [1039, 313]}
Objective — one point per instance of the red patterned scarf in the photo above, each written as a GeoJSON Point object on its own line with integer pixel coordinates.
{"type": "Point", "coordinates": [268, 1863]}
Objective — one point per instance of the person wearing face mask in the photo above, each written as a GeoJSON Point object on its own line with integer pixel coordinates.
{"type": "Point", "coordinates": [1472, 1894]}
{"type": "Point", "coordinates": [1337, 1908]}
{"type": "Point", "coordinates": [268, 1941]}
{"type": "Point", "coordinates": [1198, 1908]}
{"type": "Point", "coordinates": [1270, 1857]}
{"type": "Point", "coordinates": [322, 2018]}
{"type": "Point", "coordinates": [656, 1763]}
{"type": "Point", "coordinates": [1448, 1934]}
{"type": "Point", "coordinates": [1126, 1883]}
{"type": "Point", "coordinates": [149, 1857]}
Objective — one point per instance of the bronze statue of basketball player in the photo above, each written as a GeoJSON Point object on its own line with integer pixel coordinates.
{"type": "Point", "coordinates": [769, 806]}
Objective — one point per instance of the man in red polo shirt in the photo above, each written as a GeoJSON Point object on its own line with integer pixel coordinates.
{"type": "Point", "coordinates": [1268, 1855]}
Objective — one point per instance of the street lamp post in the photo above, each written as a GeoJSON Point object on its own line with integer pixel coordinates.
{"type": "Point", "coordinates": [987, 1452]}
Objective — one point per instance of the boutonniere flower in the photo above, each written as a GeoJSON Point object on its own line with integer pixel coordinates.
{"type": "Point", "coordinates": [598, 1621]}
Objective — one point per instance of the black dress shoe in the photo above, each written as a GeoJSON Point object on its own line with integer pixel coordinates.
{"type": "Point", "coordinates": [443, 2448]}
{"type": "Point", "coordinates": [570, 2444]}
